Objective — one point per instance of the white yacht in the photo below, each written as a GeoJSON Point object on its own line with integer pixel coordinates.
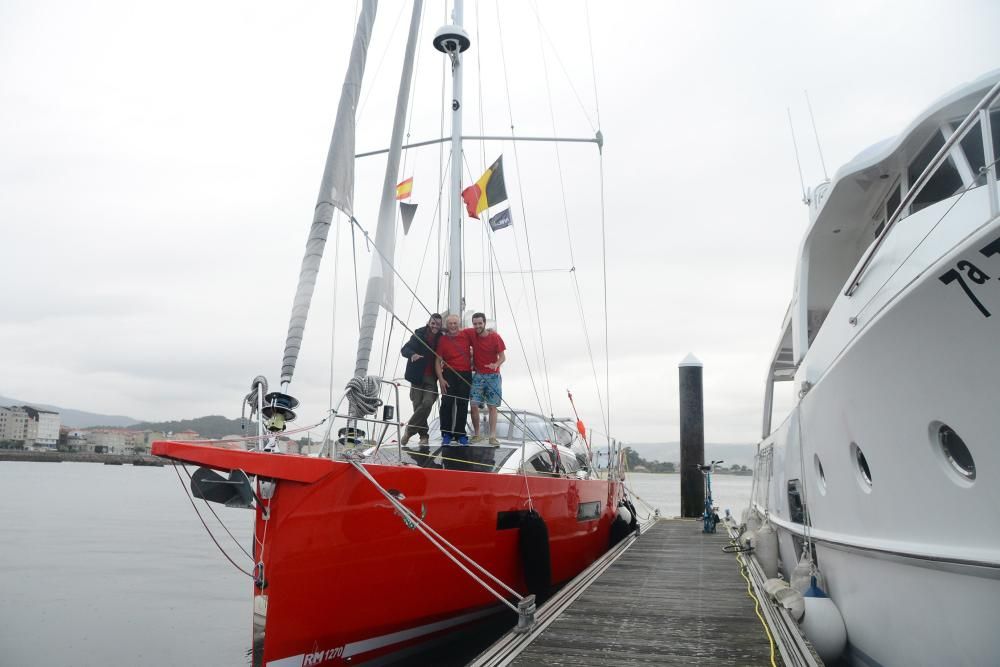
{"type": "Point", "coordinates": [884, 477]}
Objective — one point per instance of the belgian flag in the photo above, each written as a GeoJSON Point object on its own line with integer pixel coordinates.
{"type": "Point", "coordinates": [488, 191]}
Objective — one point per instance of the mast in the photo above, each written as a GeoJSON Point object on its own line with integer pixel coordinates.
{"type": "Point", "coordinates": [452, 40]}
{"type": "Point", "coordinates": [379, 291]}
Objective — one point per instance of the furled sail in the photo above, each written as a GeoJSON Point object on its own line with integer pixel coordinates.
{"type": "Point", "coordinates": [336, 190]}
{"type": "Point", "coordinates": [379, 291]}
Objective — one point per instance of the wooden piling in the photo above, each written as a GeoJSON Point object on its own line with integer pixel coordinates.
{"type": "Point", "coordinates": [692, 422]}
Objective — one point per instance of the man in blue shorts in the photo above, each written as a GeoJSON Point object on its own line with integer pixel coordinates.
{"type": "Point", "coordinates": [487, 357]}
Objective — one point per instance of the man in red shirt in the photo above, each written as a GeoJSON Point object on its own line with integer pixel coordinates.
{"type": "Point", "coordinates": [454, 372]}
{"type": "Point", "coordinates": [488, 353]}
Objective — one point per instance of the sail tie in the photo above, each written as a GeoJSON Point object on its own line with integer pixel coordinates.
{"type": "Point", "coordinates": [362, 395]}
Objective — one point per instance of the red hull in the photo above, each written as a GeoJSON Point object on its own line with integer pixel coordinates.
{"type": "Point", "coordinates": [347, 580]}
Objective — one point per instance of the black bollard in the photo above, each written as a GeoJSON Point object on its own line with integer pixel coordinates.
{"type": "Point", "coordinates": [692, 437]}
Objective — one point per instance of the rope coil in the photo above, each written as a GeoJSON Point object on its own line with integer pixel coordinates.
{"type": "Point", "coordinates": [362, 395]}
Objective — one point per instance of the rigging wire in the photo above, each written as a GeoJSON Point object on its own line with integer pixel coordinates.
{"type": "Point", "coordinates": [524, 216]}
{"type": "Point", "coordinates": [200, 518]}
{"type": "Point", "coordinates": [604, 267]}
{"type": "Point", "coordinates": [361, 107]}
{"type": "Point", "coordinates": [391, 265]}
{"type": "Point", "coordinates": [517, 247]}
{"type": "Point", "coordinates": [593, 67]}
{"type": "Point", "coordinates": [423, 260]}
{"type": "Point", "coordinates": [517, 330]}
{"type": "Point", "coordinates": [544, 33]}
{"type": "Point", "coordinates": [569, 234]}
{"type": "Point", "coordinates": [482, 157]}
{"type": "Point", "coordinates": [919, 243]}
{"type": "Point", "coordinates": [441, 171]}
{"type": "Point", "coordinates": [604, 235]}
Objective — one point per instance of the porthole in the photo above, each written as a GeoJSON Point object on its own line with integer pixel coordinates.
{"type": "Point", "coordinates": [957, 458]}
{"type": "Point", "coordinates": [864, 473]}
{"type": "Point", "coordinates": [820, 476]}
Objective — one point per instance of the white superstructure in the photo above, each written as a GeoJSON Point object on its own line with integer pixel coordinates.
{"type": "Point", "coordinates": [887, 463]}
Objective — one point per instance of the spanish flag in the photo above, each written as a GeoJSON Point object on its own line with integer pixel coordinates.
{"type": "Point", "coordinates": [404, 189]}
{"type": "Point", "coordinates": [488, 191]}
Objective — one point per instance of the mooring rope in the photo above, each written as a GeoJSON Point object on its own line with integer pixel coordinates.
{"type": "Point", "coordinates": [437, 540]}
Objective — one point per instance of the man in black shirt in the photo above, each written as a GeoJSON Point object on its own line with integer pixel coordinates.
{"type": "Point", "coordinates": [420, 373]}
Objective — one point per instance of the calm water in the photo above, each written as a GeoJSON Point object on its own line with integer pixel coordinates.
{"type": "Point", "coordinates": [108, 565]}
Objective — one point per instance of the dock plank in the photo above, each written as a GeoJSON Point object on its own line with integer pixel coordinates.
{"type": "Point", "coordinates": [674, 598]}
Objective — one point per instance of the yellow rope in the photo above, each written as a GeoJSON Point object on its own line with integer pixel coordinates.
{"type": "Point", "coordinates": [756, 603]}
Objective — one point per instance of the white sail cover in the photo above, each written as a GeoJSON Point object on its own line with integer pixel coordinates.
{"type": "Point", "coordinates": [336, 190]}
{"type": "Point", "coordinates": [381, 279]}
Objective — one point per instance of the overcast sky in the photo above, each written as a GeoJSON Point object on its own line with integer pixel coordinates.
{"type": "Point", "coordinates": [159, 164]}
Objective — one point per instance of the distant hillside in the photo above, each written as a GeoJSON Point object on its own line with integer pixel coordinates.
{"type": "Point", "coordinates": [75, 418]}
{"type": "Point", "coordinates": [214, 426]}
{"type": "Point", "coordinates": [671, 451]}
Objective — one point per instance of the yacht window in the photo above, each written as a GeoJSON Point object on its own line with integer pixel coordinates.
{"type": "Point", "coordinates": [972, 144]}
{"type": "Point", "coordinates": [796, 511]}
{"type": "Point", "coordinates": [944, 183]}
{"type": "Point", "coordinates": [563, 435]}
{"type": "Point", "coordinates": [539, 464]}
{"type": "Point", "coordinates": [892, 203]}
{"type": "Point", "coordinates": [529, 427]}
{"type": "Point", "coordinates": [569, 463]}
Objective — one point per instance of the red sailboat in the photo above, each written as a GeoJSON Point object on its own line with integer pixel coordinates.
{"type": "Point", "coordinates": [371, 549]}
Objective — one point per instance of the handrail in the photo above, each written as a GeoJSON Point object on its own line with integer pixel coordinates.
{"type": "Point", "coordinates": [921, 181]}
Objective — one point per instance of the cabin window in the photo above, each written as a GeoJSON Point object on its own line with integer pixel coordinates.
{"type": "Point", "coordinates": [569, 464]}
{"type": "Point", "coordinates": [539, 464]}
{"type": "Point", "coordinates": [893, 201]}
{"type": "Point", "coordinates": [529, 427]}
{"type": "Point", "coordinates": [975, 153]}
{"type": "Point", "coordinates": [796, 510]}
{"type": "Point", "coordinates": [945, 182]}
{"type": "Point", "coordinates": [563, 435]}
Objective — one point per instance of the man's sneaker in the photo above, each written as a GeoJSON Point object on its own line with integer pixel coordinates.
{"type": "Point", "coordinates": [494, 442]}
{"type": "Point", "coordinates": [477, 438]}
{"type": "Point", "coordinates": [463, 439]}
{"type": "Point", "coordinates": [446, 439]}
{"type": "Point", "coordinates": [407, 434]}
{"type": "Point", "coordinates": [424, 440]}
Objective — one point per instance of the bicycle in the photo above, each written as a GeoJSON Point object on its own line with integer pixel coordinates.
{"type": "Point", "coordinates": [710, 517]}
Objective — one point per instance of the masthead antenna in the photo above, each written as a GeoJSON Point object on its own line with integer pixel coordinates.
{"type": "Point", "coordinates": [798, 163]}
{"type": "Point", "coordinates": [816, 134]}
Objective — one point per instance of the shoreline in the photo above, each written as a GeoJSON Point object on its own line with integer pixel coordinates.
{"type": "Point", "coordinates": [78, 457]}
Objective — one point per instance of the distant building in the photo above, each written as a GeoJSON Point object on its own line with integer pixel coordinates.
{"type": "Point", "coordinates": [148, 438]}
{"type": "Point", "coordinates": [13, 425]}
{"type": "Point", "coordinates": [30, 428]}
{"type": "Point", "coordinates": [76, 440]}
{"type": "Point", "coordinates": [43, 429]}
{"type": "Point", "coordinates": [107, 440]}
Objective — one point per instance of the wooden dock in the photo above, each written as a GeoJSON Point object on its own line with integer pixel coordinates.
{"type": "Point", "coordinates": [673, 598]}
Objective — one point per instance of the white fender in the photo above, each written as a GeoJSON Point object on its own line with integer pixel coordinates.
{"type": "Point", "coordinates": [823, 625]}
{"type": "Point", "coordinates": [801, 574]}
{"type": "Point", "coordinates": [766, 550]}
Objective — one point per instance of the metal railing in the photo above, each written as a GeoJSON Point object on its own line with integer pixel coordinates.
{"type": "Point", "coordinates": [349, 432]}
{"type": "Point", "coordinates": [979, 113]}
